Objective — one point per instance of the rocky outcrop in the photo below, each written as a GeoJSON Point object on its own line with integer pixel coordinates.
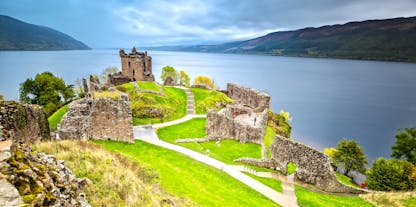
{"type": "Point", "coordinates": [252, 98]}
{"type": "Point", "coordinates": [98, 118]}
{"type": "Point", "coordinates": [236, 122]}
{"type": "Point", "coordinates": [312, 166]}
{"type": "Point", "coordinates": [23, 123]}
{"type": "Point", "coordinates": [38, 180]}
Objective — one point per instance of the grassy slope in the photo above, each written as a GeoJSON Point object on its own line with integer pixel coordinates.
{"type": "Point", "coordinates": [174, 101]}
{"type": "Point", "coordinates": [205, 99]}
{"type": "Point", "coordinates": [56, 117]}
{"type": "Point", "coordinates": [118, 181]}
{"type": "Point", "coordinates": [188, 178]}
{"type": "Point", "coordinates": [275, 184]}
{"type": "Point", "coordinates": [146, 85]}
{"type": "Point", "coordinates": [226, 150]}
{"type": "Point", "coordinates": [346, 180]}
{"type": "Point", "coordinates": [307, 198]}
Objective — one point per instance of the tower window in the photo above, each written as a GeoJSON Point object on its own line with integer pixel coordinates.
{"type": "Point", "coordinates": [129, 63]}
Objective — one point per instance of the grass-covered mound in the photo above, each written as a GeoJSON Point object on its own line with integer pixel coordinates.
{"type": "Point", "coordinates": [149, 86]}
{"type": "Point", "coordinates": [185, 177]}
{"type": "Point", "coordinates": [56, 117]}
{"type": "Point", "coordinates": [117, 180]}
{"type": "Point", "coordinates": [225, 150]}
{"type": "Point", "coordinates": [208, 99]}
{"type": "Point", "coordinates": [149, 108]}
{"type": "Point", "coordinates": [307, 198]}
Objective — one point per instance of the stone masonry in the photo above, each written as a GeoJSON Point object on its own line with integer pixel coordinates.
{"type": "Point", "coordinates": [137, 65]}
{"type": "Point", "coordinates": [98, 117]}
{"type": "Point", "coordinates": [23, 123]}
{"type": "Point", "coordinates": [246, 121]}
{"type": "Point", "coordinates": [258, 101]}
{"type": "Point", "coordinates": [312, 166]}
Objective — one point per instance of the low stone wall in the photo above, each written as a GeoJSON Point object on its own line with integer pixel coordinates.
{"type": "Point", "coordinates": [23, 123]}
{"type": "Point", "coordinates": [312, 166]}
{"type": "Point", "coordinates": [99, 118]}
{"type": "Point", "coordinates": [223, 125]}
{"type": "Point", "coordinates": [255, 99]}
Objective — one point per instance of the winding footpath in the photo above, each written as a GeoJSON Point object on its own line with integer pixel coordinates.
{"type": "Point", "coordinates": [147, 134]}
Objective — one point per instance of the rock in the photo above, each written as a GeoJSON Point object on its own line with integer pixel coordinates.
{"type": "Point", "coordinates": [9, 196]}
{"type": "Point", "coordinates": [41, 179]}
{"type": "Point", "coordinates": [4, 155]}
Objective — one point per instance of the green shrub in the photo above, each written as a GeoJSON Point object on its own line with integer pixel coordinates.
{"type": "Point", "coordinates": [209, 99]}
{"type": "Point", "coordinates": [387, 175]}
{"type": "Point", "coordinates": [280, 124]}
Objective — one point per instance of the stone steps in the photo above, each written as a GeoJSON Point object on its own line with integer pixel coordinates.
{"type": "Point", "coordinates": [190, 102]}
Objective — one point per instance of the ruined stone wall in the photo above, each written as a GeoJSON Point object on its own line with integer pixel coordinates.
{"type": "Point", "coordinates": [312, 166]}
{"type": "Point", "coordinates": [248, 96]}
{"type": "Point", "coordinates": [111, 119]}
{"type": "Point", "coordinates": [23, 123]}
{"type": "Point", "coordinates": [223, 126]}
{"type": "Point", "coordinates": [99, 118]}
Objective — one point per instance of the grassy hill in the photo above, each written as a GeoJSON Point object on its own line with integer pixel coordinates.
{"type": "Point", "coordinates": [19, 35]}
{"type": "Point", "coordinates": [389, 39]}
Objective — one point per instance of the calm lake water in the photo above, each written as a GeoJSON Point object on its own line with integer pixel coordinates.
{"type": "Point", "coordinates": [328, 98]}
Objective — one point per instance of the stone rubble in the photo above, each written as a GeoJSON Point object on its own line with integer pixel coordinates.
{"type": "Point", "coordinates": [40, 179]}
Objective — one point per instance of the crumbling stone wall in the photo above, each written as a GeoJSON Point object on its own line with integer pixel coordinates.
{"type": "Point", "coordinates": [312, 166]}
{"type": "Point", "coordinates": [98, 118]}
{"type": "Point", "coordinates": [137, 66]}
{"type": "Point", "coordinates": [111, 119]}
{"type": "Point", "coordinates": [23, 123]}
{"type": "Point", "coordinates": [226, 125]}
{"type": "Point", "coordinates": [255, 99]}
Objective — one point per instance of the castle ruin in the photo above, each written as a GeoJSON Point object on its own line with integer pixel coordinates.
{"type": "Point", "coordinates": [135, 66]}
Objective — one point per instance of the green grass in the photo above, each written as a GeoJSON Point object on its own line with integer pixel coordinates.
{"type": "Point", "coordinates": [194, 128]}
{"type": "Point", "coordinates": [346, 180]}
{"type": "Point", "coordinates": [268, 139]}
{"type": "Point", "coordinates": [56, 117]}
{"type": "Point", "coordinates": [148, 108]}
{"type": "Point", "coordinates": [410, 202]}
{"type": "Point", "coordinates": [146, 85]}
{"type": "Point", "coordinates": [185, 177]}
{"type": "Point", "coordinates": [291, 168]}
{"type": "Point", "coordinates": [207, 99]}
{"type": "Point", "coordinates": [226, 150]}
{"type": "Point", "coordinates": [272, 183]}
{"type": "Point", "coordinates": [307, 198]}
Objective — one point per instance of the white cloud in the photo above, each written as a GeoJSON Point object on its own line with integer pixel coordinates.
{"type": "Point", "coordinates": [170, 22]}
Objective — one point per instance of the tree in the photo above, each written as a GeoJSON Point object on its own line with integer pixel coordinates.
{"type": "Point", "coordinates": [169, 71]}
{"type": "Point", "coordinates": [1, 97]}
{"type": "Point", "coordinates": [106, 72]}
{"type": "Point", "coordinates": [184, 79]}
{"type": "Point", "coordinates": [46, 90]}
{"type": "Point", "coordinates": [349, 156]}
{"type": "Point", "coordinates": [405, 146]}
{"type": "Point", "coordinates": [387, 175]}
{"type": "Point", "coordinates": [205, 81]}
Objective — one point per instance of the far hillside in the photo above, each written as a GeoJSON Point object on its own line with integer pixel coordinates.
{"type": "Point", "coordinates": [388, 39]}
{"type": "Point", "coordinates": [19, 35]}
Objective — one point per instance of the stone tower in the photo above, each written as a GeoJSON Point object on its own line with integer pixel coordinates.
{"type": "Point", "coordinates": [137, 66]}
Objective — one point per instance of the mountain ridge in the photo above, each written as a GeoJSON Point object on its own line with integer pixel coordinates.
{"type": "Point", "coordinates": [19, 35]}
{"type": "Point", "coordinates": [385, 39]}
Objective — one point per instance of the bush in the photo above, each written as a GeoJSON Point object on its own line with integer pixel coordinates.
{"type": "Point", "coordinates": [280, 124]}
{"type": "Point", "coordinates": [387, 175]}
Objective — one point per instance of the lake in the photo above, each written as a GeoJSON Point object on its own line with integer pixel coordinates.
{"type": "Point", "coordinates": [327, 98]}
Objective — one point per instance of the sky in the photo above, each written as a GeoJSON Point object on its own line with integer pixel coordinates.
{"type": "Point", "coordinates": [122, 23]}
